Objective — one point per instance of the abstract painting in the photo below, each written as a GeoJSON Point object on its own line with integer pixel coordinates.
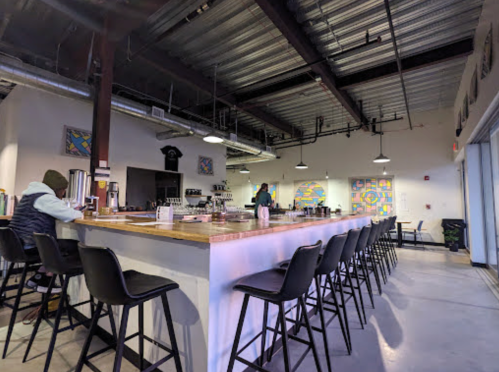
{"type": "Point", "coordinates": [371, 194]}
{"type": "Point", "coordinates": [77, 142]}
{"type": "Point", "coordinates": [309, 194]}
{"type": "Point", "coordinates": [272, 190]}
{"type": "Point", "coordinates": [205, 166]}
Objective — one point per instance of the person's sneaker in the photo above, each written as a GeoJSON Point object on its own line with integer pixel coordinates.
{"type": "Point", "coordinates": [32, 282]}
{"type": "Point", "coordinates": [43, 285]}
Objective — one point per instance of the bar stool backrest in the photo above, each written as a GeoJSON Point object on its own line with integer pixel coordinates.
{"type": "Point", "coordinates": [365, 233]}
{"type": "Point", "coordinates": [49, 252]}
{"type": "Point", "coordinates": [331, 256]}
{"type": "Point", "coordinates": [11, 247]}
{"type": "Point", "coordinates": [103, 275]}
{"type": "Point", "coordinates": [420, 225]}
{"type": "Point", "coordinates": [373, 236]}
{"type": "Point", "coordinates": [385, 224]}
{"type": "Point", "coordinates": [350, 245]}
{"type": "Point", "coordinates": [393, 222]}
{"type": "Point", "coordinates": [300, 272]}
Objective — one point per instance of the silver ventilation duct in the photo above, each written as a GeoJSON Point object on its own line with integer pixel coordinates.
{"type": "Point", "coordinates": [23, 74]}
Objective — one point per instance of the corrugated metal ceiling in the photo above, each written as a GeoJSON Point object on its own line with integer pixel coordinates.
{"type": "Point", "coordinates": [237, 36]}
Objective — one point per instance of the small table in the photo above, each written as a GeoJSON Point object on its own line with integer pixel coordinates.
{"type": "Point", "coordinates": [399, 232]}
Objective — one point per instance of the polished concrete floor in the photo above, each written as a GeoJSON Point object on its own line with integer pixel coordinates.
{"type": "Point", "coordinates": [437, 313]}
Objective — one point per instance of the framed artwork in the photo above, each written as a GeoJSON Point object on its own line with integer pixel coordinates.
{"type": "Point", "coordinates": [309, 194]}
{"type": "Point", "coordinates": [272, 190]}
{"type": "Point", "coordinates": [487, 55]}
{"type": "Point", "coordinates": [474, 88]}
{"type": "Point", "coordinates": [77, 142]}
{"type": "Point", "coordinates": [372, 195]}
{"type": "Point", "coordinates": [465, 108]}
{"type": "Point", "coordinates": [205, 166]}
{"type": "Point", "coordinates": [459, 119]}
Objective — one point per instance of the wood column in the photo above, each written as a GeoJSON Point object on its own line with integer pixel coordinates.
{"type": "Point", "coordinates": [103, 80]}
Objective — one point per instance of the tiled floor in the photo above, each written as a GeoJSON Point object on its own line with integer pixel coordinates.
{"type": "Point", "coordinates": [436, 314]}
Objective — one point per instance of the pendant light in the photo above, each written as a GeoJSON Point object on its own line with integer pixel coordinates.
{"type": "Point", "coordinates": [244, 169]}
{"type": "Point", "coordinates": [212, 138]}
{"type": "Point", "coordinates": [384, 171]}
{"type": "Point", "coordinates": [327, 176]}
{"type": "Point", "coordinates": [301, 164]}
{"type": "Point", "coordinates": [381, 158]}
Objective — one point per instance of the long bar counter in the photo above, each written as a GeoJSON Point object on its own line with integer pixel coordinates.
{"type": "Point", "coordinates": [206, 260]}
{"type": "Point", "coordinates": [209, 232]}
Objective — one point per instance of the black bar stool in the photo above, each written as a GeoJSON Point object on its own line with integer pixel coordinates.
{"type": "Point", "coordinates": [328, 263]}
{"type": "Point", "coordinates": [393, 222]}
{"type": "Point", "coordinates": [386, 244]}
{"type": "Point", "coordinates": [345, 261]}
{"type": "Point", "coordinates": [277, 286]}
{"type": "Point", "coordinates": [379, 253]}
{"type": "Point", "coordinates": [109, 284]}
{"type": "Point", "coordinates": [371, 263]}
{"type": "Point", "coordinates": [66, 268]}
{"type": "Point", "coordinates": [362, 275]}
{"type": "Point", "coordinates": [12, 251]}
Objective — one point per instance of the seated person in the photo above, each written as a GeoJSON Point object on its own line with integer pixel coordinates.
{"type": "Point", "coordinates": [37, 211]}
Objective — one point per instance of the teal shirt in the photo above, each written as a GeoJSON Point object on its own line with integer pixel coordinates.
{"type": "Point", "coordinates": [264, 199]}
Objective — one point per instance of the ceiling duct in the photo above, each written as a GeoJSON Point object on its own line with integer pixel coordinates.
{"type": "Point", "coordinates": [23, 74]}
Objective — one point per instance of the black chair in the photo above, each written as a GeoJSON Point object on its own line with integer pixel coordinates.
{"type": "Point", "coordinates": [387, 242]}
{"type": "Point", "coordinates": [112, 286]}
{"type": "Point", "coordinates": [12, 251]}
{"type": "Point", "coordinates": [371, 263]}
{"type": "Point", "coordinates": [415, 232]}
{"type": "Point", "coordinates": [382, 246]}
{"type": "Point", "coordinates": [278, 286]}
{"type": "Point", "coordinates": [360, 262]}
{"type": "Point", "coordinates": [328, 263]}
{"type": "Point", "coordinates": [66, 268]}
{"type": "Point", "coordinates": [378, 253]}
{"type": "Point", "coordinates": [345, 262]}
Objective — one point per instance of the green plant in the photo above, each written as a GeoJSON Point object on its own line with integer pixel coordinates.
{"type": "Point", "coordinates": [450, 236]}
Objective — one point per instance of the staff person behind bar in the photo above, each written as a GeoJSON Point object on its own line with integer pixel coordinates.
{"type": "Point", "coordinates": [263, 198]}
{"type": "Point", "coordinates": [37, 211]}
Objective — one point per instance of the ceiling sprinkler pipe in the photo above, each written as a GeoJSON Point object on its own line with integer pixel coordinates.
{"type": "Point", "coordinates": [25, 75]}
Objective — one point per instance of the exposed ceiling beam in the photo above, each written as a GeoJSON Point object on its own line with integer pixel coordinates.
{"type": "Point", "coordinates": [285, 21]}
{"type": "Point", "coordinates": [121, 19]}
{"type": "Point", "coordinates": [459, 49]}
{"type": "Point", "coordinates": [174, 67]}
{"type": "Point", "coordinates": [446, 53]}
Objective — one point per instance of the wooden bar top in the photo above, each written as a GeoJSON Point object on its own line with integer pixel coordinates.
{"type": "Point", "coordinates": [209, 232]}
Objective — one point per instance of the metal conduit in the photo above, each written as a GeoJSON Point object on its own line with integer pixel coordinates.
{"type": "Point", "coordinates": [25, 75]}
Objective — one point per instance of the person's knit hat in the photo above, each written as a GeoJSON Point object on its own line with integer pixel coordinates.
{"type": "Point", "coordinates": [55, 180]}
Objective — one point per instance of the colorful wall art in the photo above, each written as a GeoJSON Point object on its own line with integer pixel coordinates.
{"type": "Point", "coordinates": [77, 142]}
{"type": "Point", "coordinates": [309, 194]}
{"type": "Point", "coordinates": [205, 166]}
{"type": "Point", "coordinates": [371, 194]}
{"type": "Point", "coordinates": [272, 190]}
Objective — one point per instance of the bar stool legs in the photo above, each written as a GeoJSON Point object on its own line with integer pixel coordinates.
{"type": "Point", "coordinates": [15, 308]}
{"type": "Point", "coordinates": [323, 330]}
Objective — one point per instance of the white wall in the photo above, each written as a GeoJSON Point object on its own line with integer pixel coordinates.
{"type": "Point", "coordinates": [415, 154]}
{"type": "Point", "coordinates": [8, 147]}
{"type": "Point", "coordinates": [40, 117]}
{"type": "Point", "coordinates": [488, 88]}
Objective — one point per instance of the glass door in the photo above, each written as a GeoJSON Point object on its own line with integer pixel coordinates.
{"type": "Point", "coordinates": [492, 256]}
